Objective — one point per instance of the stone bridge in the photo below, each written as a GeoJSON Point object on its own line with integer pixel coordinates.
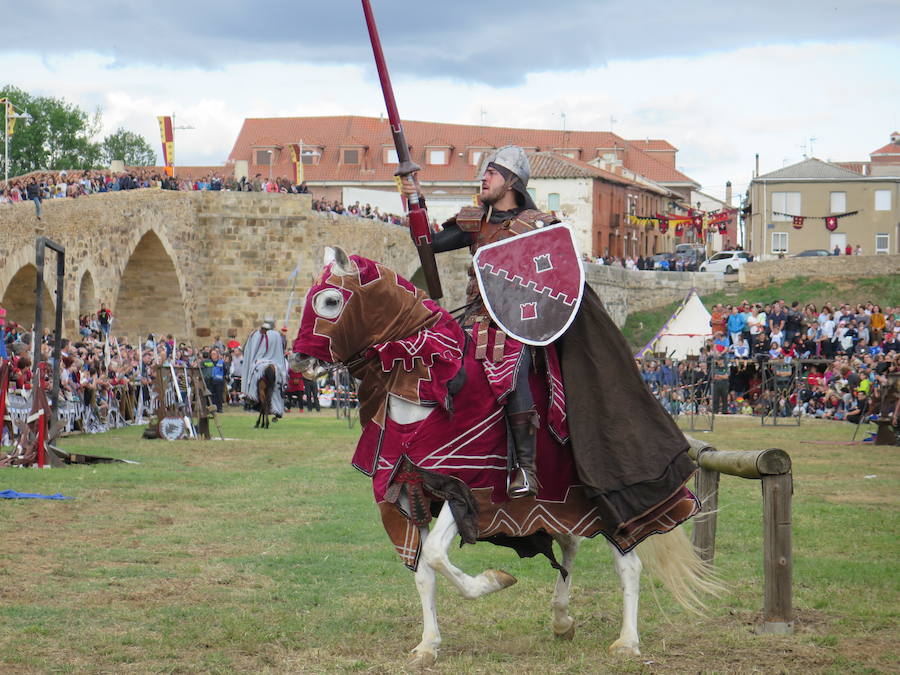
{"type": "Point", "coordinates": [200, 264]}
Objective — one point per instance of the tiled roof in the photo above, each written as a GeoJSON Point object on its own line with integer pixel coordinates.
{"type": "Point", "coordinates": [654, 144]}
{"type": "Point", "coordinates": [657, 171]}
{"type": "Point", "coordinates": [856, 167]}
{"type": "Point", "coordinates": [812, 168]}
{"type": "Point", "coordinates": [333, 131]}
{"type": "Point", "coordinates": [889, 149]}
{"type": "Point", "coordinates": [554, 165]}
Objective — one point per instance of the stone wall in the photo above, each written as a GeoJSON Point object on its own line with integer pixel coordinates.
{"type": "Point", "coordinates": [825, 267]}
{"type": "Point", "coordinates": [191, 263]}
{"type": "Point", "coordinates": [624, 291]}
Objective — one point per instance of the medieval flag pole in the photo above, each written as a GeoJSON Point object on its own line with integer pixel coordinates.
{"type": "Point", "coordinates": [417, 215]}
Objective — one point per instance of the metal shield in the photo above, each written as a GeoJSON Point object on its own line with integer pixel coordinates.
{"type": "Point", "coordinates": [531, 284]}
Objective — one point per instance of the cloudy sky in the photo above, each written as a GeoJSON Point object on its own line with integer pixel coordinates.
{"type": "Point", "coordinates": [719, 80]}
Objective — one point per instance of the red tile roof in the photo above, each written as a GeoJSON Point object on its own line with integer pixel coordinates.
{"type": "Point", "coordinates": [889, 149]}
{"type": "Point", "coordinates": [654, 144]}
{"type": "Point", "coordinates": [332, 132]}
{"type": "Point", "coordinates": [555, 165]}
{"type": "Point", "coordinates": [659, 172]}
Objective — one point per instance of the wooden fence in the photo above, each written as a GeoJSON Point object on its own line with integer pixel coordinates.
{"type": "Point", "coordinates": [773, 468]}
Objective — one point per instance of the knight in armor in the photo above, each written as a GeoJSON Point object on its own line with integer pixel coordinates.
{"type": "Point", "coordinates": [265, 346]}
{"type": "Point", "coordinates": [629, 453]}
{"type": "Point", "coordinates": [506, 210]}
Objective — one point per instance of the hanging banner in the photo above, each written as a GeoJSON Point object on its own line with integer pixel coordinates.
{"type": "Point", "coordinates": [10, 119]}
{"type": "Point", "coordinates": [168, 144]}
{"type": "Point", "coordinates": [831, 223]}
{"type": "Point", "coordinates": [798, 222]}
{"type": "Point", "coordinates": [297, 160]}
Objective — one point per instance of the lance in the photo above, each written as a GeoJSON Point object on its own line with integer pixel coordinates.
{"type": "Point", "coordinates": [416, 213]}
{"type": "Point", "coordinates": [293, 278]}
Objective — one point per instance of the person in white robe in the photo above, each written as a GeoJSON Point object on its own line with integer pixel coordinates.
{"type": "Point", "coordinates": [265, 346]}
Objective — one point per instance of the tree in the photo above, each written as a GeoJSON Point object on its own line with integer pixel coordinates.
{"type": "Point", "coordinates": [128, 146]}
{"type": "Point", "coordinates": [59, 136]}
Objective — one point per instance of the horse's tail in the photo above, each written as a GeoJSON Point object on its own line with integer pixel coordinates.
{"type": "Point", "coordinates": [265, 385]}
{"type": "Point", "coordinates": [672, 559]}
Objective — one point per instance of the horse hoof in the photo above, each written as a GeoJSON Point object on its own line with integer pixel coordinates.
{"type": "Point", "coordinates": [422, 660]}
{"type": "Point", "coordinates": [620, 648]}
{"type": "Point", "coordinates": [568, 635]}
{"type": "Point", "coordinates": [501, 578]}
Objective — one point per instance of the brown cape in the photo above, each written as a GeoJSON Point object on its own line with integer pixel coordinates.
{"type": "Point", "coordinates": [628, 450]}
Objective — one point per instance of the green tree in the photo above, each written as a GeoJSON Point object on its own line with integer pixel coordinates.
{"type": "Point", "coordinates": [60, 135]}
{"type": "Point", "coordinates": [128, 146]}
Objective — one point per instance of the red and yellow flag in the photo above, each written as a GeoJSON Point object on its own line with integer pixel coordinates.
{"type": "Point", "coordinates": [297, 160]}
{"type": "Point", "coordinates": [168, 144]}
{"type": "Point", "coordinates": [10, 119]}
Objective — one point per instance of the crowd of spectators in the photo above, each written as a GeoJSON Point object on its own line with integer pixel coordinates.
{"type": "Point", "coordinates": [40, 186]}
{"type": "Point", "coordinates": [770, 359]}
{"type": "Point", "coordinates": [357, 210]}
{"type": "Point", "coordinates": [97, 363]}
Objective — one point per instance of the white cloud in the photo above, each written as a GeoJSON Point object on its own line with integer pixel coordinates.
{"type": "Point", "coordinates": [718, 109]}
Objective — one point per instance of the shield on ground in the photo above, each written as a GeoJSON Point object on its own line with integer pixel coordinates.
{"type": "Point", "coordinates": [531, 284]}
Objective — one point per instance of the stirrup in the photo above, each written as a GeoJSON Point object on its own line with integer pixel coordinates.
{"type": "Point", "coordinates": [523, 485]}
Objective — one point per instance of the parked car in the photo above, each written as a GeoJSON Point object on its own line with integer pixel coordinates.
{"type": "Point", "coordinates": [812, 253]}
{"type": "Point", "coordinates": [725, 261]}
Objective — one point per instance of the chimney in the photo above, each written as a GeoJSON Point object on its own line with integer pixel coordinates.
{"type": "Point", "coordinates": [728, 193]}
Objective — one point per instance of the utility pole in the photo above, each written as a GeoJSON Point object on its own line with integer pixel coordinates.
{"type": "Point", "coordinates": [186, 126]}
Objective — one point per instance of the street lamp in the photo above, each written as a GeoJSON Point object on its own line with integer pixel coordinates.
{"type": "Point", "coordinates": [9, 113]}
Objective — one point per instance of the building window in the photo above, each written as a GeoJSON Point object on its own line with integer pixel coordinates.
{"type": "Point", "coordinates": [779, 242]}
{"type": "Point", "coordinates": [882, 243]}
{"type": "Point", "coordinates": [553, 201]}
{"type": "Point", "coordinates": [882, 200]}
{"type": "Point", "coordinates": [437, 156]}
{"type": "Point", "coordinates": [310, 154]}
{"type": "Point", "coordinates": [350, 156]}
{"type": "Point", "coordinates": [532, 192]}
{"type": "Point", "coordinates": [263, 157]}
{"type": "Point", "coordinates": [838, 202]}
{"type": "Point", "coordinates": [390, 156]}
{"type": "Point", "coordinates": [785, 202]}
{"type": "Point", "coordinates": [475, 157]}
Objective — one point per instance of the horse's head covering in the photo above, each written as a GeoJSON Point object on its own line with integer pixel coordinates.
{"type": "Point", "coordinates": [365, 315]}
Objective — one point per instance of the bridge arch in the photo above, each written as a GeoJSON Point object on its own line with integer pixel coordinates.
{"type": "Point", "coordinates": [87, 294]}
{"type": "Point", "coordinates": [150, 297]}
{"type": "Point", "coordinates": [18, 298]}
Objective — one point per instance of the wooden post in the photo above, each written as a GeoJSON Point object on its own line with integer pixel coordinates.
{"type": "Point", "coordinates": [706, 485]}
{"type": "Point", "coordinates": [778, 613]}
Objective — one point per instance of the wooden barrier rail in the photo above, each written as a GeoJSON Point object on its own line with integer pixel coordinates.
{"type": "Point", "coordinates": [773, 468]}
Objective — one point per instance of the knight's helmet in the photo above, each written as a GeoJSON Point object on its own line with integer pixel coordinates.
{"type": "Point", "coordinates": [512, 162]}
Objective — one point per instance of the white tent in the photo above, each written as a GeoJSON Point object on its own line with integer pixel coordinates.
{"type": "Point", "coordinates": [684, 333]}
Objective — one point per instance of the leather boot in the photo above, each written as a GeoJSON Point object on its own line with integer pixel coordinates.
{"type": "Point", "coordinates": [524, 480]}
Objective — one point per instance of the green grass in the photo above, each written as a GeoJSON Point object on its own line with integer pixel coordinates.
{"type": "Point", "coordinates": [640, 327]}
{"type": "Point", "coordinates": [266, 554]}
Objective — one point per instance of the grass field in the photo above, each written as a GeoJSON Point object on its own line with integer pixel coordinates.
{"type": "Point", "coordinates": [265, 554]}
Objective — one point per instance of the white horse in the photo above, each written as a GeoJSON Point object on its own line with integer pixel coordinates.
{"type": "Point", "coordinates": [670, 556]}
